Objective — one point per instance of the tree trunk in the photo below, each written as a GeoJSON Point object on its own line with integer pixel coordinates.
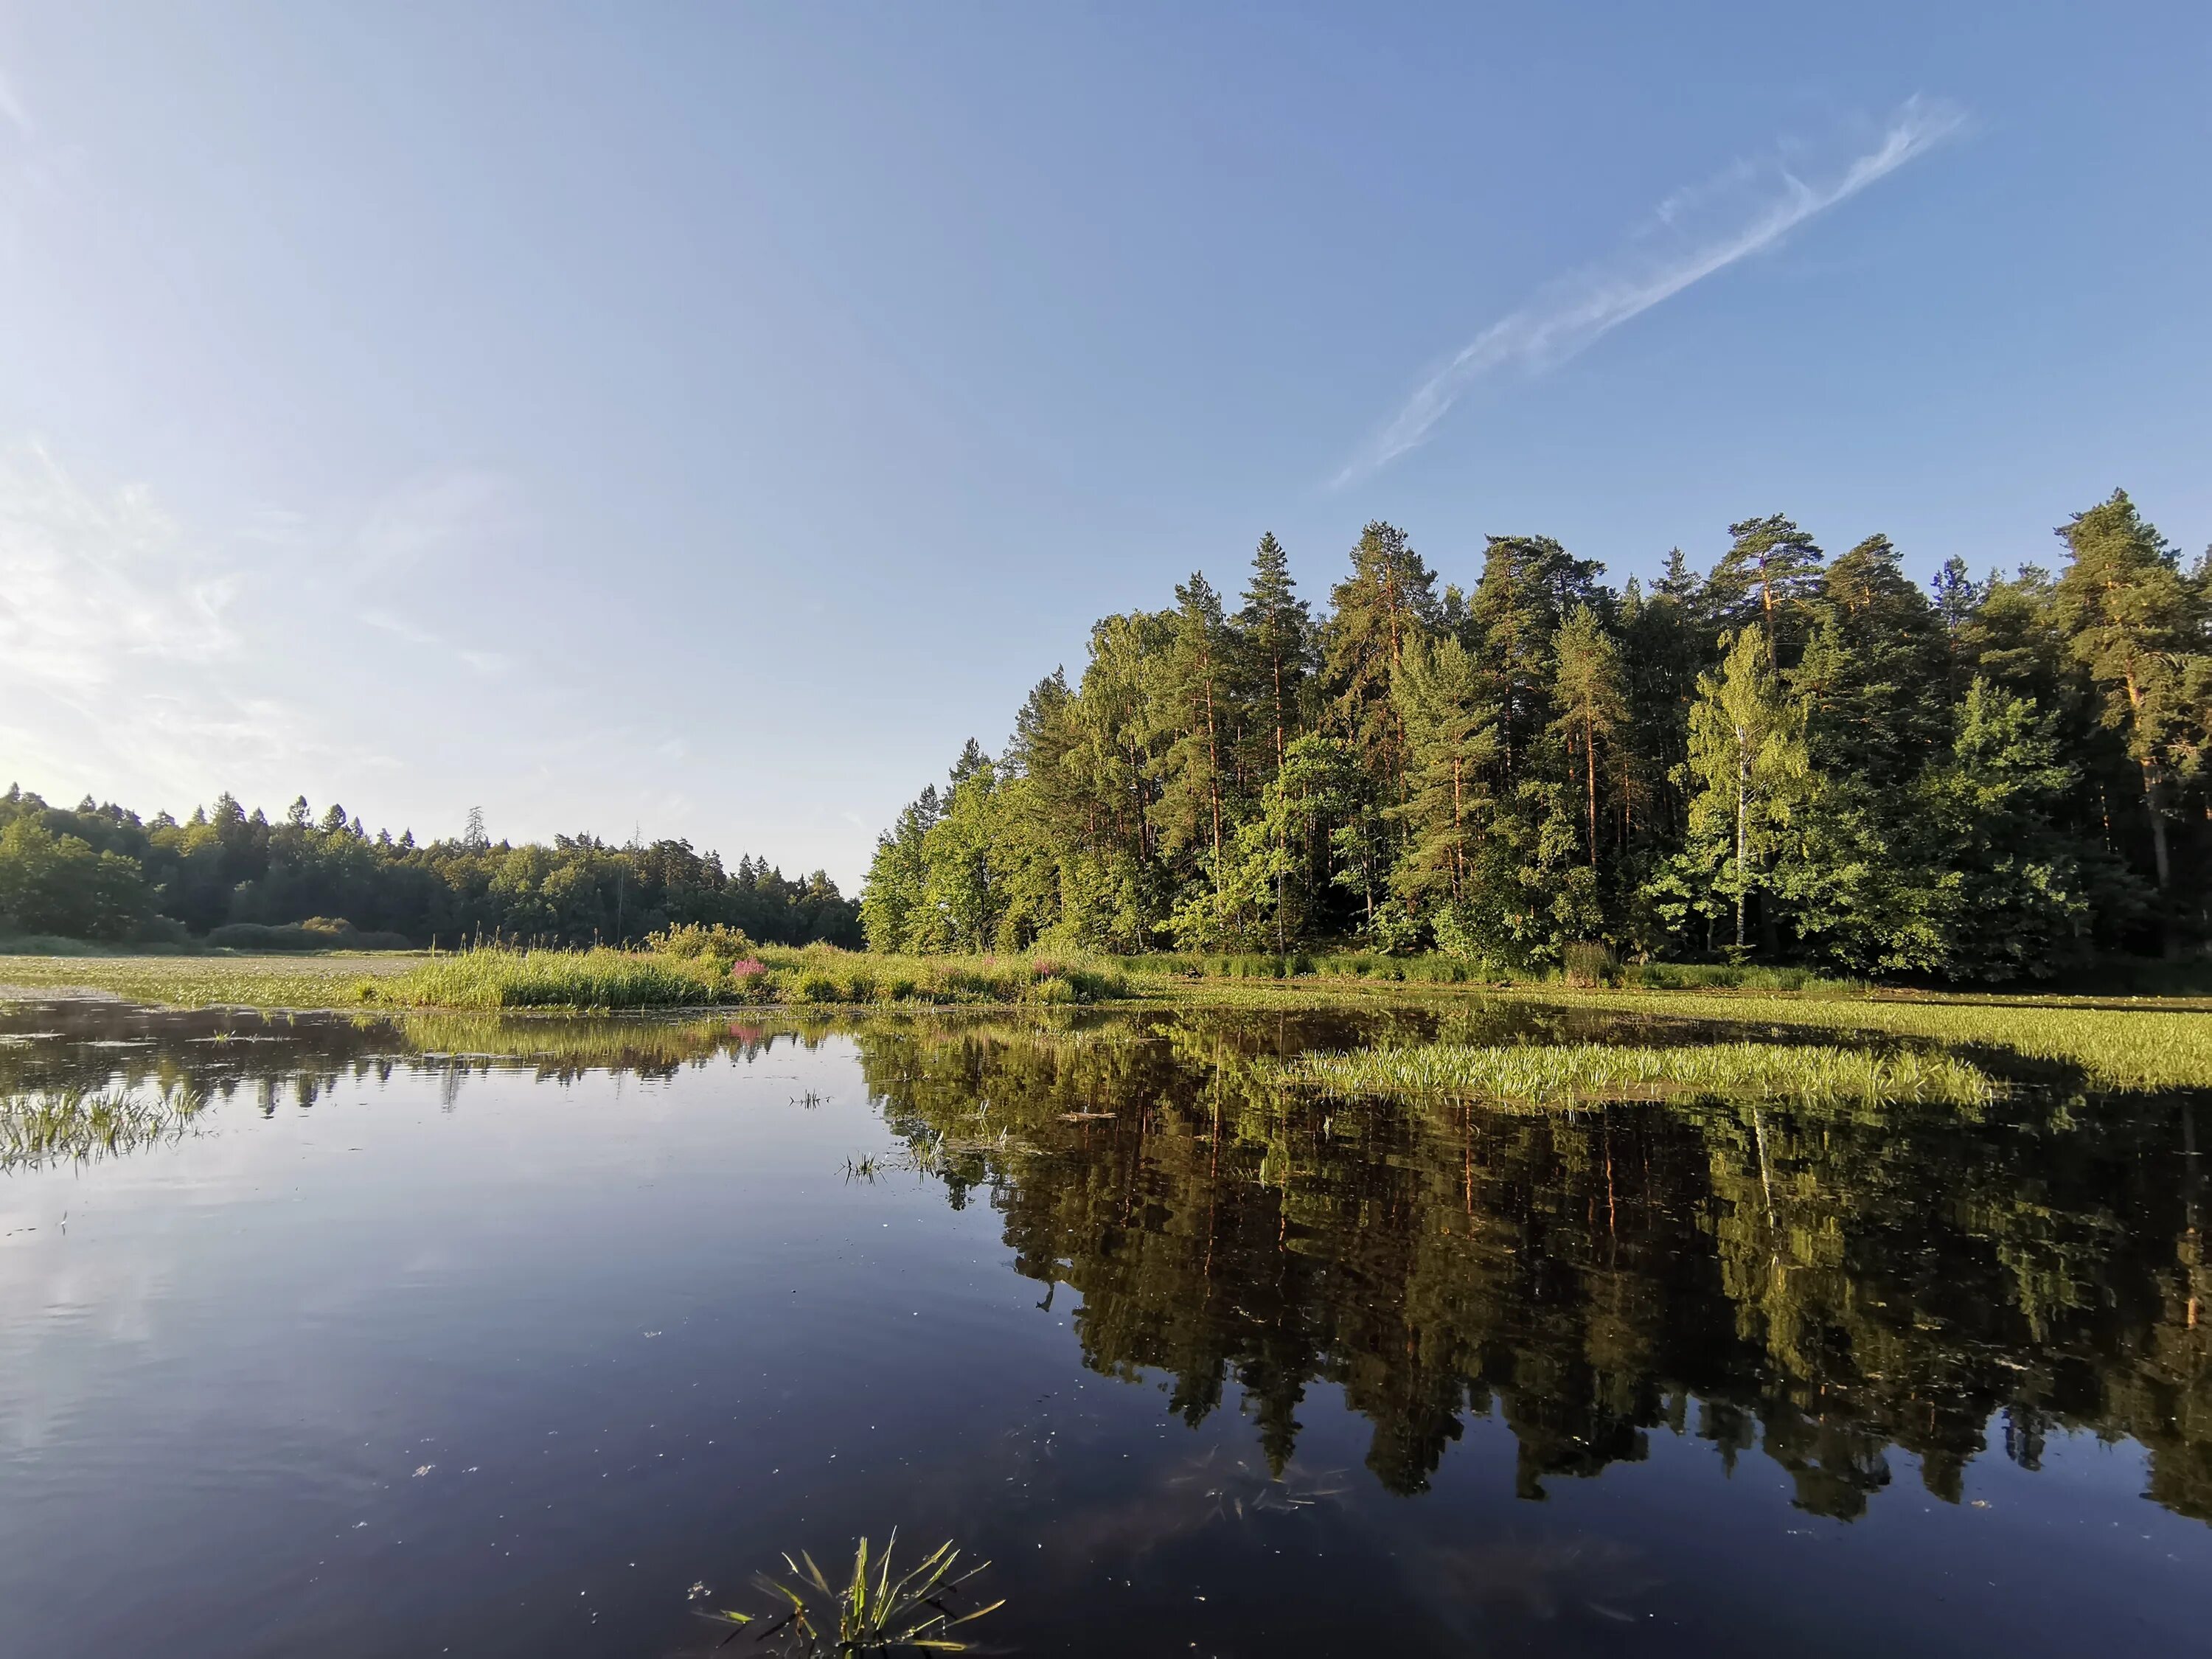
{"type": "Point", "coordinates": [1590, 754]}
{"type": "Point", "coordinates": [1742, 834]}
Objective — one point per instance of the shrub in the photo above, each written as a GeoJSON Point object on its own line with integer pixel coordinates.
{"type": "Point", "coordinates": [694, 941]}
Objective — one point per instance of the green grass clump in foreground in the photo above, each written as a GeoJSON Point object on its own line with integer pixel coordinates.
{"type": "Point", "coordinates": [1566, 1073]}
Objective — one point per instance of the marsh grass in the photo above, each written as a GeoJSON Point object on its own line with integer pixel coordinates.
{"type": "Point", "coordinates": [871, 1612]}
{"type": "Point", "coordinates": [496, 977]}
{"type": "Point", "coordinates": [81, 1125]}
{"type": "Point", "coordinates": [209, 982]}
{"type": "Point", "coordinates": [2117, 1048]}
{"type": "Point", "coordinates": [1567, 1073]}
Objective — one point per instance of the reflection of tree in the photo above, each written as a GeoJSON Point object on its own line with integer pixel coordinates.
{"type": "Point", "coordinates": [1826, 1285]}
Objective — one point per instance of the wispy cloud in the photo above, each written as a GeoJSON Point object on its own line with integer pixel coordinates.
{"type": "Point", "coordinates": [11, 108]}
{"type": "Point", "coordinates": [1692, 235]}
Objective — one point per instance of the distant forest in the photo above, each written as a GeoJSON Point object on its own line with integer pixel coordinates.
{"type": "Point", "coordinates": [100, 873]}
{"type": "Point", "coordinates": [1788, 757]}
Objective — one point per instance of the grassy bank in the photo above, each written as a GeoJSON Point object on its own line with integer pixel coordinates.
{"type": "Point", "coordinates": [1567, 1073]}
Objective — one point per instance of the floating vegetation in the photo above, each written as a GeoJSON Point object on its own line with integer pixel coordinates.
{"type": "Point", "coordinates": [1239, 1489]}
{"type": "Point", "coordinates": [78, 1125]}
{"type": "Point", "coordinates": [1566, 1073]}
{"type": "Point", "coordinates": [873, 1613]}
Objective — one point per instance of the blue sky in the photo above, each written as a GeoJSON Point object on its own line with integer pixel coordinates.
{"type": "Point", "coordinates": [699, 419]}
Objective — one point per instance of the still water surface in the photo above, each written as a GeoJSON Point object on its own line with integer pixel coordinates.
{"type": "Point", "coordinates": [499, 1339]}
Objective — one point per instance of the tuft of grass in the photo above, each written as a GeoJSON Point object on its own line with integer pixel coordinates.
{"type": "Point", "coordinates": [872, 1612]}
{"type": "Point", "coordinates": [1567, 1073]}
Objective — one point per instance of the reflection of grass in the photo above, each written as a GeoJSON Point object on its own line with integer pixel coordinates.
{"type": "Point", "coordinates": [55, 1126]}
{"type": "Point", "coordinates": [1564, 1074]}
{"type": "Point", "coordinates": [873, 1612]}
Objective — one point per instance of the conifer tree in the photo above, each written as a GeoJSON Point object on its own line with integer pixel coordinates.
{"type": "Point", "coordinates": [2136, 623]}
{"type": "Point", "coordinates": [1588, 691]}
{"type": "Point", "coordinates": [1277, 635]}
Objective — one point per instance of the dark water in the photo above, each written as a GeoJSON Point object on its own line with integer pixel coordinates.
{"type": "Point", "coordinates": [392, 1348]}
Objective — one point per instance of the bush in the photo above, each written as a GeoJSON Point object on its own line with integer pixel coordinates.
{"type": "Point", "coordinates": [317, 933]}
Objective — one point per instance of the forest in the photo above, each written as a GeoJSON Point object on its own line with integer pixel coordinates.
{"type": "Point", "coordinates": [1789, 757]}
{"type": "Point", "coordinates": [236, 879]}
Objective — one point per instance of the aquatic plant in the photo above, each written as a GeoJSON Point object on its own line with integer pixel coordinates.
{"type": "Point", "coordinates": [2123, 1049]}
{"type": "Point", "coordinates": [873, 1612]}
{"type": "Point", "coordinates": [1564, 1074]}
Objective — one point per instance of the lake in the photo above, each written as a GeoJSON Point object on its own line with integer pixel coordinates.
{"type": "Point", "coordinates": [461, 1335]}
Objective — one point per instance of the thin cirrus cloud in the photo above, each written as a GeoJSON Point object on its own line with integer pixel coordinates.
{"type": "Point", "coordinates": [1694, 234]}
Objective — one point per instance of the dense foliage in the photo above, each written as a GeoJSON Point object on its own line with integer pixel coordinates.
{"type": "Point", "coordinates": [1789, 757]}
{"type": "Point", "coordinates": [100, 873]}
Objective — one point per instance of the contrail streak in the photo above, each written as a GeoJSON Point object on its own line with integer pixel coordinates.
{"type": "Point", "coordinates": [1576, 311]}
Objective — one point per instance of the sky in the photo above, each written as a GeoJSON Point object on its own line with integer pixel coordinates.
{"type": "Point", "coordinates": [698, 419]}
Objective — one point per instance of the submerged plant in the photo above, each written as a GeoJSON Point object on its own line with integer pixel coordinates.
{"type": "Point", "coordinates": [872, 1615]}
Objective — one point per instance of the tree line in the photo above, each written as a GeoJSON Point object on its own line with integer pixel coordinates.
{"type": "Point", "coordinates": [100, 873]}
{"type": "Point", "coordinates": [1788, 757]}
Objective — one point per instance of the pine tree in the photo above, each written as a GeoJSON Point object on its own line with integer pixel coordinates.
{"type": "Point", "coordinates": [2138, 624]}
{"type": "Point", "coordinates": [1770, 570]}
{"type": "Point", "coordinates": [1449, 742]}
{"type": "Point", "coordinates": [1276, 636]}
{"type": "Point", "coordinates": [1387, 602]}
{"type": "Point", "coordinates": [1588, 690]}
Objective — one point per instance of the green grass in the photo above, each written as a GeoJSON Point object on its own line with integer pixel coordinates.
{"type": "Point", "coordinates": [815, 976]}
{"type": "Point", "coordinates": [1566, 1073]}
{"type": "Point", "coordinates": [2120, 1048]}
{"type": "Point", "coordinates": [495, 978]}
{"type": "Point", "coordinates": [871, 1612]}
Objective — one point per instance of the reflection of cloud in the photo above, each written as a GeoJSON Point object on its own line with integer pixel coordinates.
{"type": "Point", "coordinates": [1696, 232]}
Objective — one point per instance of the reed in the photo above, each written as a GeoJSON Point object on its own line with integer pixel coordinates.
{"type": "Point", "coordinates": [871, 1612]}
{"type": "Point", "coordinates": [1567, 1073]}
